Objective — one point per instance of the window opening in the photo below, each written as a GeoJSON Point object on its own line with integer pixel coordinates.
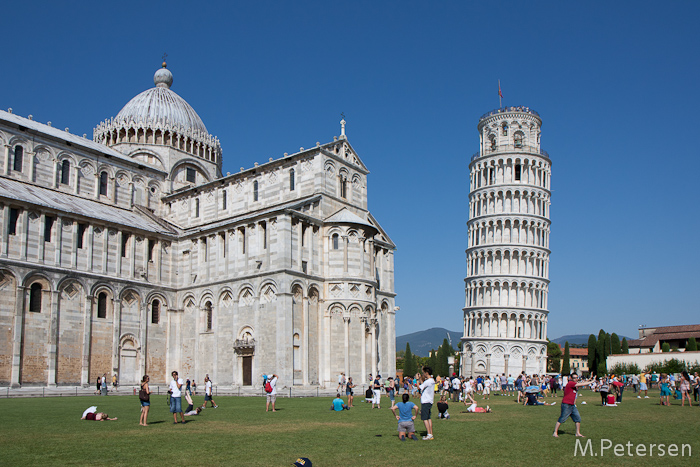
{"type": "Point", "coordinates": [102, 305]}
{"type": "Point", "coordinates": [335, 241]}
{"type": "Point", "coordinates": [155, 312]}
{"type": "Point", "coordinates": [103, 183]}
{"type": "Point", "coordinates": [19, 155]}
{"type": "Point", "coordinates": [191, 175]}
{"type": "Point", "coordinates": [65, 172]}
{"type": "Point", "coordinates": [291, 180]}
{"type": "Point", "coordinates": [12, 226]}
{"type": "Point", "coordinates": [208, 311]}
{"type": "Point", "coordinates": [125, 243]}
{"type": "Point", "coordinates": [223, 199]}
{"type": "Point", "coordinates": [196, 207]}
{"type": "Point", "coordinates": [151, 249]}
{"type": "Point", "coordinates": [48, 226]}
{"type": "Point", "coordinates": [255, 190]}
{"type": "Point", "coordinates": [81, 235]}
{"type": "Point", "coordinates": [35, 298]}
{"type": "Point", "coordinates": [517, 172]}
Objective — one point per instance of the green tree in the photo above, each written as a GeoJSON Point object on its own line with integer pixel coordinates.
{"type": "Point", "coordinates": [566, 361]}
{"type": "Point", "coordinates": [608, 346]}
{"type": "Point", "coordinates": [600, 355]}
{"type": "Point", "coordinates": [615, 344]}
{"type": "Point", "coordinates": [409, 364]}
{"type": "Point", "coordinates": [665, 347]}
{"type": "Point", "coordinates": [592, 365]}
{"type": "Point", "coordinates": [625, 346]}
{"type": "Point", "coordinates": [432, 361]}
{"type": "Point", "coordinates": [553, 356]}
{"type": "Point", "coordinates": [692, 345]}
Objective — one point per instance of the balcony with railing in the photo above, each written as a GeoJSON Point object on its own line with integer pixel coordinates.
{"type": "Point", "coordinates": [244, 346]}
{"type": "Point", "coordinates": [509, 148]}
{"type": "Point", "coordinates": [516, 108]}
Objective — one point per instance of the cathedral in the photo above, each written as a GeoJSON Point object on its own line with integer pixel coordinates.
{"type": "Point", "coordinates": [131, 253]}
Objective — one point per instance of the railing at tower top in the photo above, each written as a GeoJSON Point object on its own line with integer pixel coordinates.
{"type": "Point", "coordinates": [515, 108]}
{"type": "Point", "coordinates": [504, 148]}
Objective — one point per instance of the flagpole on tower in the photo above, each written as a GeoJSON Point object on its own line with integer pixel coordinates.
{"type": "Point", "coordinates": [500, 95]}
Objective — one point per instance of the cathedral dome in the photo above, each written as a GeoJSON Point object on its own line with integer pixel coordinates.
{"type": "Point", "coordinates": [161, 105]}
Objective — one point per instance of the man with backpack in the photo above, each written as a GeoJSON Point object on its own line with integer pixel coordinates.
{"type": "Point", "coordinates": [271, 390]}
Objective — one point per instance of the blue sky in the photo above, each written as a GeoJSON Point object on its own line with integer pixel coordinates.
{"type": "Point", "coordinates": [614, 82]}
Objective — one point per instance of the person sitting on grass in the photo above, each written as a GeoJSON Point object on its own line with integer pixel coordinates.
{"type": "Point", "coordinates": [405, 418]}
{"type": "Point", "coordinates": [531, 399]}
{"type": "Point", "coordinates": [474, 409]}
{"type": "Point", "coordinates": [442, 407]}
{"type": "Point", "coordinates": [338, 405]}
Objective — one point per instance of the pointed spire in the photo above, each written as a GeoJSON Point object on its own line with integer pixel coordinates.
{"type": "Point", "coordinates": [342, 126]}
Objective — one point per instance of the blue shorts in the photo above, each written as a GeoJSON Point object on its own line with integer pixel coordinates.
{"type": "Point", "coordinates": [175, 405]}
{"type": "Point", "coordinates": [145, 403]}
{"type": "Point", "coordinates": [569, 410]}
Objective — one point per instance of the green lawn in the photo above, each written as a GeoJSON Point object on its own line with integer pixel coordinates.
{"type": "Point", "coordinates": [48, 431]}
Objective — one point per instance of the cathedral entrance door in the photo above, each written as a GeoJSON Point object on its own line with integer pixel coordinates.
{"type": "Point", "coordinates": [247, 370]}
{"type": "Point", "coordinates": [128, 367]}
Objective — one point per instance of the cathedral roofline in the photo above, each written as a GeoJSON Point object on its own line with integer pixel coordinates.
{"type": "Point", "coordinates": [46, 131]}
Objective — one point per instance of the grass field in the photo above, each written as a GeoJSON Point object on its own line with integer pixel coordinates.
{"type": "Point", "coordinates": [48, 431]}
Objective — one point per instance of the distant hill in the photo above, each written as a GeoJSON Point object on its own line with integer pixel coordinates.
{"type": "Point", "coordinates": [422, 342]}
{"type": "Point", "coordinates": [572, 338]}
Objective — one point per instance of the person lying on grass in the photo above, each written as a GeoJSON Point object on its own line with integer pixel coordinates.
{"type": "Point", "coordinates": [97, 416]}
{"type": "Point", "coordinates": [474, 409]}
{"type": "Point", "coordinates": [531, 399]}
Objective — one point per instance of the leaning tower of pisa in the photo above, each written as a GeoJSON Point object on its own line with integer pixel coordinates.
{"type": "Point", "coordinates": [505, 313]}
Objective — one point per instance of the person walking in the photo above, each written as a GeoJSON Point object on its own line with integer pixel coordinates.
{"type": "Point", "coordinates": [272, 395]}
{"type": "Point", "coordinates": [427, 397]}
{"type": "Point", "coordinates": [208, 393]}
{"type": "Point", "coordinates": [176, 397]}
{"type": "Point", "coordinates": [568, 405]}
{"type": "Point", "coordinates": [685, 388]}
{"type": "Point", "coordinates": [104, 384]}
{"type": "Point", "coordinates": [145, 398]}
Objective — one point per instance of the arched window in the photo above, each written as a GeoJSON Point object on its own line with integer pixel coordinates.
{"type": "Point", "coordinates": [518, 171]}
{"type": "Point", "coordinates": [492, 140]}
{"type": "Point", "coordinates": [343, 187]}
{"type": "Point", "coordinates": [102, 305]}
{"type": "Point", "coordinates": [208, 312]}
{"type": "Point", "coordinates": [35, 298]}
{"type": "Point", "coordinates": [336, 238]}
{"type": "Point", "coordinates": [19, 155]}
{"type": "Point", "coordinates": [223, 199]}
{"type": "Point", "coordinates": [155, 312]}
{"type": "Point", "coordinates": [255, 190]}
{"type": "Point", "coordinates": [65, 172]}
{"type": "Point", "coordinates": [504, 128]}
{"type": "Point", "coordinates": [103, 183]}
{"type": "Point", "coordinates": [518, 139]}
{"type": "Point", "coordinates": [291, 180]}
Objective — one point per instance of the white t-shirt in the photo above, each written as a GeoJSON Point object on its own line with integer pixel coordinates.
{"type": "Point", "coordinates": [175, 390]}
{"type": "Point", "coordinates": [207, 388]}
{"type": "Point", "coordinates": [273, 383]}
{"type": "Point", "coordinates": [427, 395]}
{"type": "Point", "coordinates": [455, 384]}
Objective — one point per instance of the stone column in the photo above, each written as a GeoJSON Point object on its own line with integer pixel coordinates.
{"type": "Point", "coordinates": [87, 336]}
{"type": "Point", "coordinates": [524, 362]}
{"type": "Point", "coordinates": [90, 239]}
{"type": "Point", "coordinates": [23, 226]}
{"type": "Point", "coordinates": [506, 357]}
{"type": "Point", "coordinates": [346, 326]}
{"type": "Point", "coordinates": [59, 240]}
{"type": "Point", "coordinates": [52, 346]}
{"type": "Point", "coordinates": [373, 327]}
{"type": "Point", "coordinates": [132, 254]}
{"type": "Point", "coordinates": [116, 319]}
{"type": "Point", "coordinates": [363, 342]}
{"type": "Point", "coordinates": [97, 184]}
{"type": "Point", "coordinates": [472, 358]}
{"type": "Point", "coordinates": [74, 247]}
{"type": "Point", "coordinates": [76, 179]}
{"type": "Point", "coordinates": [158, 260]}
{"type": "Point", "coordinates": [118, 256]}
{"type": "Point", "coordinates": [488, 364]}
{"type": "Point", "coordinates": [29, 157]}
{"type": "Point", "coordinates": [17, 333]}
{"type": "Point", "coordinates": [8, 149]}
{"type": "Point", "coordinates": [345, 254]}
{"type": "Point", "coordinates": [143, 333]}
{"type": "Point", "coordinates": [4, 250]}
{"type": "Point", "coordinates": [305, 342]}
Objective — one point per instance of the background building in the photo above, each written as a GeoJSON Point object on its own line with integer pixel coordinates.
{"type": "Point", "coordinates": [505, 314]}
{"type": "Point", "coordinates": [131, 253]}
